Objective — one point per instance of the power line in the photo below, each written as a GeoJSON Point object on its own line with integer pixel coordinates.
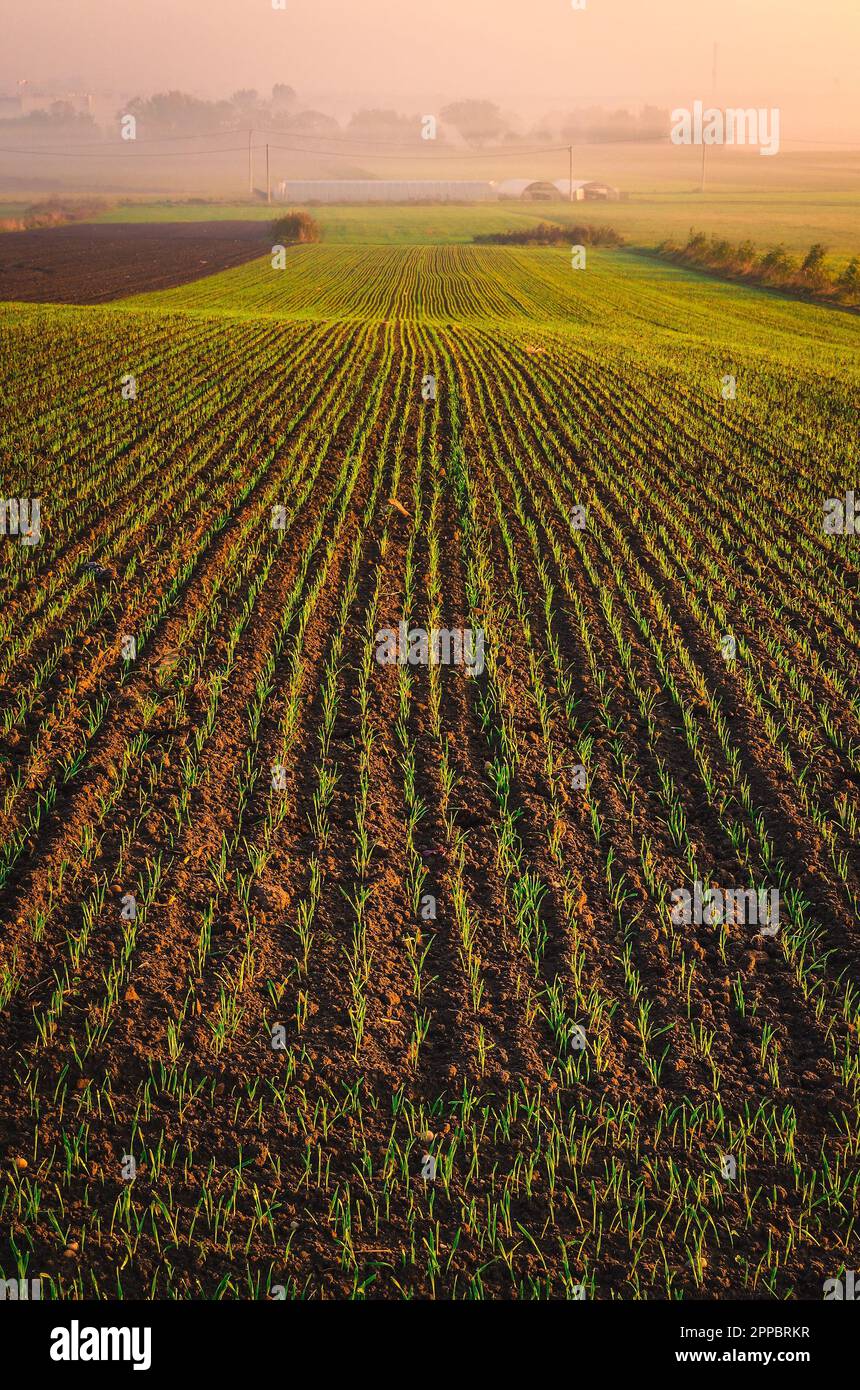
{"type": "Point", "coordinates": [132, 149]}
{"type": "Point", "coordinates": [163, 139]}
{"type": "Point", "coordinates": [341, 139]}
{"type": "Point", "coordinates": [420, 159]}
{"type": "Point", "coordinates": [154, 154]}
{"type": "Point", "coordinates": [408, 151]}
{"type": "Point", "coordinates": [89, 152]}
{"type": "Point", "coordinates": [263, 129]}
{"type": "Point", "coordinates": [202, 135]}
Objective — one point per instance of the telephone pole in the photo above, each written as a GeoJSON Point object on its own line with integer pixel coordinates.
{"type": "Point", "coordinates": [250, 164]}
{"type": "Point", "coordinates": [570, 171]}
{"type": "Point", "coordinates": [268, 181]}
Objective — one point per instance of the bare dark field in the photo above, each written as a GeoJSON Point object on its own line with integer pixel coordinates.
{"type": "Point", "coordinates": [91, 264]}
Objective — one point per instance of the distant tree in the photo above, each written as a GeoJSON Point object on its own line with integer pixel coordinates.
{"type": "Point", "coordinates": [314, 123]}
{"type": "Point", "coordinates": [283, 97]}
{"type": "Point", "coordinates": [653, 123]}
{"type": "Point", "coordinates": [596, 125]}
{"type": "Point", "coordinates": [617, 125]}
{"type": "Point", "coordinates": [385, 125]}
{"type": "Point", "coordinates": [476, 121]}
{"type": "Point", "coordinates": [171, 113]}
{"type": "Point", "coordinates": [60, 114]}
{"type": "Point", "coordinates": [849, 280]}
{"type": "Point", "coordinates": [777, 260]}
{"type": "Point", "coordinates": [246, 101]}
{"type": "Point", "coordinates": [774, 267]}
{"type": "Point", "coordinates": [813, 262]}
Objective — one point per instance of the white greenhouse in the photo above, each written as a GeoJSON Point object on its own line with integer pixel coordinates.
{"type": "Point", "coordinates": [304, 191]}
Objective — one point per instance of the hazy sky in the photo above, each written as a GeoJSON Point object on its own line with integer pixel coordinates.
{"type": "Point", "coordinates": [531, 56]}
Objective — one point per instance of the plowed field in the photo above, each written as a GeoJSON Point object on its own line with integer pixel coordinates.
{"type": "Point", "coordinates": [90, 264]}
{"type": "Point", "coordinates": [376, 969]}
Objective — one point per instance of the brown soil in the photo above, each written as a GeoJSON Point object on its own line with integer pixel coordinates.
{"type": "Point", "coordinates": [301, 1168]}
{"type": "Point", "coordinates": [91, 264]}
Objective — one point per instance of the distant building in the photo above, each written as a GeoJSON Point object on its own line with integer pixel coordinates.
{"type": "Point", "coordinates": [442, 191]}
{"type": "Point", "coordinates": [30, 101]}
{"type": "Point", "coordinates": [384, 191]}
{"type": "Point", "coordinates": [588, 190]}
{"type": "Point", "coordinates": [528, 190]}
{"type": "Point", "coordinates": [550, 191]}
{"type": "Point", "coordinates": [80, 103]}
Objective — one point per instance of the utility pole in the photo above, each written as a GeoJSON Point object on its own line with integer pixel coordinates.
{"type": "Point", "coordinates": [268, 181]}
{"type": "Point", "coordinates": [250, 164]}
{"type": "Point", "coordinates": [570, 169]}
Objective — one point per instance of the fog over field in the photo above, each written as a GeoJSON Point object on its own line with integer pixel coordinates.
{"type": "Point", "coordinates": [528, 57]}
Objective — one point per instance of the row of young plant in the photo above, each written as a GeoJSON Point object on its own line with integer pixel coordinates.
{"type": "Point", "coordinates": [758, 847]}
{"type": "Point", "coordinates": [221, 476]}
{"type": "Point", "coordinates": [253, 537]}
